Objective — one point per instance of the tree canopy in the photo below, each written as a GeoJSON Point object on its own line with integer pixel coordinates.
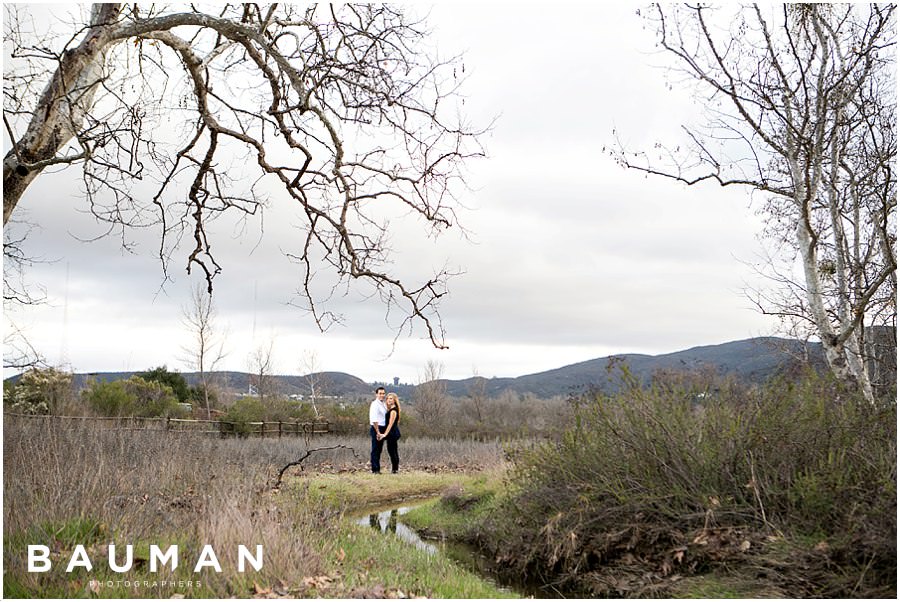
{"type": "Point", "coordinates": [800, 106]}
{"type": "Point", "coordinates": [176, 115]}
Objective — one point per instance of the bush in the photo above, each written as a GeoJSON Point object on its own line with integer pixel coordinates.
{"type": "Point", "coordinates": [132, 397]}
{"type": "Point", "coordinates": [41, 391]}
{"type": "Point", "coordinates": [679, 478]}
{"type": "Point", "coordinates": [197, 395]}
{"type": "Point", "coordinates": [174, 380]}
{"type": "Point", "coordinates": [109, 399]}
{"type": "Point", "coordinates": [508, 415]}
{"type": "Point", "coordinates": [244, 411]}
{"type": "Point", "coordinates": [348, 418]}
{"type": "Point", "coordinates": [253, 409]}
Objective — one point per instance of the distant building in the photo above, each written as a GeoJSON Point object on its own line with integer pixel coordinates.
{"type": "Point", "coordinates": [396, 380]}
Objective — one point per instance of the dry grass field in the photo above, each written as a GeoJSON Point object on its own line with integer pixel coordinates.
{"type": "Point", "coordinates": [69, 483]}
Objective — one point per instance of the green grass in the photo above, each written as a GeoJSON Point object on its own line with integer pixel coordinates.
{"type": "Point", "coordinates": [460, 507]}
{"type": "Point", "coordinates": [369, 561]}
{"type": "Point", "coordinates": [730, 587]}
{"type": "Point", "coordinates": [361, 561]}
{"type": "Point", "coordinates": [363, 490]}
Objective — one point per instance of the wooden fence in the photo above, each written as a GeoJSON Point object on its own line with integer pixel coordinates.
{"type": "Point", "coordinates": [222, 428]}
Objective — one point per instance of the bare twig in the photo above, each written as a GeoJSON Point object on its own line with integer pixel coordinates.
{"type": "Point", "coordinates": [308, 453]}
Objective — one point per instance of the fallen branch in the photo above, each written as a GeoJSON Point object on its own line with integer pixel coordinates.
{"type": "Point", "coordinates": [308, 453]}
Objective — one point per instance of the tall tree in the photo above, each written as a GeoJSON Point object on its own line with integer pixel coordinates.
{"type": "Point", "coordinates": [315, 379]}
{"type": "Point", "coordinates": [800, 103]}
{"type": "Point", "coordinates": [430, 395]}
{"type": "Point", "coordinates": [477, 395]}
{"type": "Point", "coordinates": [207, 347]}
{"type": "Point", "coordinates": [262, 364]}
{"type": "Point", "coordinates": [342, 111]}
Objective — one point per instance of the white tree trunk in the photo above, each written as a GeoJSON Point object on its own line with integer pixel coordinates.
{"type": "Point", "coordinates": [65, 101]}
{"type": "Point", "coordinates": [843, 357]}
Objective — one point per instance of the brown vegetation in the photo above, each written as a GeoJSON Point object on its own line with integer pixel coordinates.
{"type": "Point", "coordinates": [147, 487]}
{"type": "Point", "coordinates": [791, 488]}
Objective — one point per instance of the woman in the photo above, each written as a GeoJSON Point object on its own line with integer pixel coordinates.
{"type": "Point", "coordinates": [392, 430]}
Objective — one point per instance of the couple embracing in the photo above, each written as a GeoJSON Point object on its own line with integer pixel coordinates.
{"type": "Point", "coordinates": [384, 426]}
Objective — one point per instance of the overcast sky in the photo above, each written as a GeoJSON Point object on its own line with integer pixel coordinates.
{"type": "Point", "coordinates": [570, 258]}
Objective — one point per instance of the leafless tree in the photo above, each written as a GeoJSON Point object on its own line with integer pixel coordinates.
{"type": "Point", "coordinates": [800, 104]}
{"type": "Point", "coordinates": [261, 362]}
{"type": "Point", "coordinates": [430, 395]}
{"type": "Point", "coordinates": [207, 346]}
{"type": "Point", "coordinates": [477, 395]}
{"type": "Point", "coordinates": [342, 111]}
{"type": "Point", "coordinates": [315, 379]}
{"type": "Point", "coordinates": [18, 352]}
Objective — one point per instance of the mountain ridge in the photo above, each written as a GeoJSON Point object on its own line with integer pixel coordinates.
{"type": "Point", "coordinates": [753, 360]}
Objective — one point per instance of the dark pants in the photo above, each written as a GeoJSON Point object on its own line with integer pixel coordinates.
{"type": "Point", "coordinates": [375, 455]}
{"type": "Point", "coordinates": [393, 453]}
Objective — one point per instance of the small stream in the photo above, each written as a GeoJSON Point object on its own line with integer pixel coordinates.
{"type": "Point", "coordinates": [388, 522]}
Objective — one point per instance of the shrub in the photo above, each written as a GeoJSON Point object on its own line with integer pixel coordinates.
{"type": "Point", "coordinates": [173, 380]}
{"type": "Point", "coordinates": [41, 391]}
{"type": "Point", "coordinates": [244, 411]}
{"type": "Point", "coordinates": [349, 418]}
{"type": "Point", "coordinates": [670, 478]}
{"type": "Point", "coordinates": [132, 397]}
{"type": "Point", "coordinates": [253, 409]}
{"type": "Point", "coordinates": [109, 398]}
{"type": "Point", "coordinates": [199, 394]}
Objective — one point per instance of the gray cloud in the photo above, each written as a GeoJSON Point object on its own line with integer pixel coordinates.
{"type": "Point", "coordinates": [570, 258]}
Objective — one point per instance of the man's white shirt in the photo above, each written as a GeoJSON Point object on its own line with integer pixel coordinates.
{"type": "Point", "coordinates": [377, 413]}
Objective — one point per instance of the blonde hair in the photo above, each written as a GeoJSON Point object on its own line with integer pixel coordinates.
{"type": "Point", "coordinates": [396, 399]}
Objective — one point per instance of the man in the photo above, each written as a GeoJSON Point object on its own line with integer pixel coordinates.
{"type": "Point", "coordinates": [377, 413]}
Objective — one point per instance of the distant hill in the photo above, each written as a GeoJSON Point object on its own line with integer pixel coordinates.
{"type": "Point", "coordinates": [327, 383]}
{"type": "Point", "coordinates": [752, 360]}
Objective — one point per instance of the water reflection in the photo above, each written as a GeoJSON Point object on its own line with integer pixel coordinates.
{"type": "Point", "coordinates": [466, 556]}
{"type": "Point", "coordinates": [387, 522]}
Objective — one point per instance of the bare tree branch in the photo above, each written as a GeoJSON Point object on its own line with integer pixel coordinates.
{"type": "Point", "coordinates": [813, 96]}
{"type": "Point", "coordinates": [341, 112]}
{"type": "Point", "coordinates": [306, 454]}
